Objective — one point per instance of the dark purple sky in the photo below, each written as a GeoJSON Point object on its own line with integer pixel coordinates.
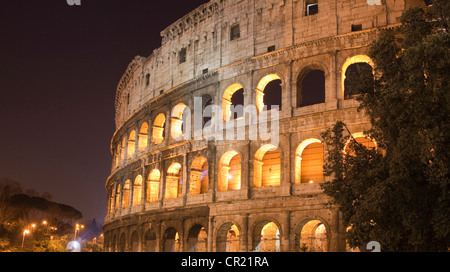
{"type": "Point", "coordinates": [60, 66]}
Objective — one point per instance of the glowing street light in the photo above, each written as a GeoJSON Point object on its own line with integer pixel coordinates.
{"type": "Point", "coordinates": [25, 232]}
{"type": "Point", "coordinates": [77, 228]}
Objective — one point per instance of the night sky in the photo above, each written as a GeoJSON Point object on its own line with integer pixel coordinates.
{"type": "Point", "coordinates": [60, 66]}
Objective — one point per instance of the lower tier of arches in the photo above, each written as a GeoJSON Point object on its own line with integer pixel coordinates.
{"type": "Point", "coordinates": [273, 225]}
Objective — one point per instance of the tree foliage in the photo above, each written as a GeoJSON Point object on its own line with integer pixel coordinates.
{"type": "Point", "coordinates": [398, 194]}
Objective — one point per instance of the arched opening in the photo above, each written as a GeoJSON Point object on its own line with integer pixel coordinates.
{"type": "Point", "coordinates": [310, 88]}
{"type": "Point", "coordinates": [360, 139]}
{"type": "Point", "coordinates": [113, 244]}
{"type": "Point", "coordinates": [122, 243]}
{"type": "Point", "coordinates": [134, 242]}
{"type": "Point", "coordinates": [355, 69]}
{"type": "Point", "coordinates": [207, 110]}
{"type": "Point", "coordinates": [197, 239]}
{"type": "Point", "coordinates": [313, 237]}
{"type": "Point", "coordinates": [180, 121]}
{"type": "Point", "coordinates": [143, 137]}
{"type": "Point", "coordinates": [309, 162]}
{"type": "Point", "coordinates": [149, 241]}
{"type": "Point", "coordinates": [268, 93]}
{"type": "Point", "coordinates": [126, 194]}
{"type": "Point", "coordinates": [131, 144]}
{"type": "Point", "coordinates": [173, 181]}
{"type": "Point", "coordinates": [117, 198]}
{"type": "Point", "coordinates": [228, 238]}
{"type": "Point", "coordinates": [158, 133]}
{"type": "Point", "coordinates": [153, 185]}
{"type": "Point", "coordinates": [266, 237]}
{"type": "Point", "coordinates": [198, 178]}
{"type": "Point", "coordinates": [171, 242]}
{"type": "Point", "coordinates": [267, 167]}
{"type": "Point", "coordinates": [230, 172]}
{"type": "Point", "coordinates": [137, 190]}
{"type": "Point", "coordinates": [233, 102]}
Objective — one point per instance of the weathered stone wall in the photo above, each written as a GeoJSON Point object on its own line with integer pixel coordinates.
{"type": "Point", "coordinates": [154, 85]}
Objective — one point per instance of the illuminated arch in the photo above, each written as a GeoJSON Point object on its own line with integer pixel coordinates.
{"type": "Point", "coordinates": [267, 167]}
{"type": "Point", "coordinates": [312, 236]}
{"type": "Point", "coordinates": [131, 144]}
{"type": "Point", "coordinates": [158, 133]}
{"type": "Point", "coordinates": [197, 239]}
{"type": "Point", "coordinates": [198, 178]}
{"type": "Point", "coordinates": [126, 194]}
{"type": "Point", "coordinates": [180, 121]}
{"type": "Point", "coordinates": [228, 238]}
{"type": "Point", "coordinates": [227, 100]}
{"type": "Point", "coordinates": [309, 161]}
{"type": "Point", "coordinates": [230, 171]}
{"type": "Point", "coordinates": [353, 60]}
{"type": "Point", "coordinates": [153, 186]}
{"type": "Point", "coordinates": [137, 190]}
{"type": "Point", "coordinates": [173, 181]}
{"type": "Point", "coordinates": [260, 89]}
{"type": "Point", "coordinates": [361, 138]}
{"type": "Point", "coordinates": [143, 137]}
{"type": "Point", "coordinates": [266, 237]}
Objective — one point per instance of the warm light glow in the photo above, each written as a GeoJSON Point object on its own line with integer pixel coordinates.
{"type": "Point", "coordinates": [158, 129]}
{"type": "Point", "coordinates": [260, 90]}
{"type": "Point", "coordinates": [44, 222]}
{"type": "Point", "coordinates": [226, 100]}
{"type": "Point", "coordinates": [26, 232]}
{"type": "Point", "coordinates": [33, 225]}
{"type": "Point", "coordinates": [353, 60]}
{"type": "Point", "coordinates": [311, 181]}
{"type": "Point", "coordinates": [267, 167]}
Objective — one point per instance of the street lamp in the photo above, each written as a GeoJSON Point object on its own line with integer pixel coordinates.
{"type": "Point", "coordinates": [77, 228]}
{"type": "Point", "coordinates": [25, 232]}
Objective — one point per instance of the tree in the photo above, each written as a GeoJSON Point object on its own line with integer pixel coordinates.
{"type": "Point", "coordinates": [398, 194]}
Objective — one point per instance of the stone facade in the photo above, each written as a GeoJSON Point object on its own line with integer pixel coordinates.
{"type": "Point", "coordinates": [167, 194]}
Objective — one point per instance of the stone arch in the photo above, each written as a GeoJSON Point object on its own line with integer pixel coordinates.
{"type": "Point", "coordinates": [309, 158]}
{"type": "Point", "coordinates": [180, 121]}
{"type": "Point", "coordinates": [354, 61]}
{"type": "Point", "coordinates": [311, 82]}
{"type": "Point", "coordinates": [228, 238]}
{"type": "Point", "coordinates": [131, 144]}
{"type": "Point", "coordinates": [362, 139]}
{"type": "Point", "coordinates": [266, 236]}
{"type": "Point", "coordinates": [199, 176]}
{"type": "Point", "coordinates": [197, 239]}
{"type": "Point", "coordinates": [267, 166]}
{"type": "Point", "coordinates": [158, 130]}
{"type": "Point", "coordinates": [230, 171]}
{"type": "Point", "coordinates": [126, 188]}
{"type": "Point", "coordinates": [270, 85]}
{"type": "Point", "coordinates": [122, 245]}
{"type": "Point", "coordinates": [171, 240]}
{"type": "Point", "coordinates": [117, 197]}
{"type": "Point", "coordinates": [143, 137]}
{"type": "Point", "coordinates": [207, 102]}
{"type": "Point", "coordinates": [134, 242]}
{"type": "Point", "coordinates": [149, 241]}
{"type": "Point", "coordinates": [137, 190]}
{"type": "Point", "coordinates": [233, 96]}
{"type": "Point", "coordinates": [174, 181]}
{"type": "Point", "coordinates": [312, 235]}
{"type": "Point", "coordinates": [153, 182]}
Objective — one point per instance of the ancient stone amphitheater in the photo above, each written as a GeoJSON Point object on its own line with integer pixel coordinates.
{"type": "Point", "coordinates": [186, 181]}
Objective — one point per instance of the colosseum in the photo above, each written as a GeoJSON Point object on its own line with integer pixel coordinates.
{"type": "Point", "coordinates": [217, 145]}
